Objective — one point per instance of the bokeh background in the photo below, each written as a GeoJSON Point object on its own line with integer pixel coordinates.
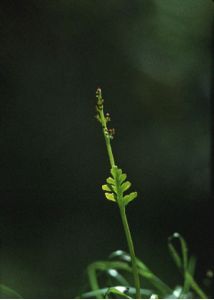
{"type": "Point", "coordinates": [153, 60]}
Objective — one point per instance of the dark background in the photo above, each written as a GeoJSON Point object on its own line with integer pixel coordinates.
{"type": "Point", "coordinates": [153, 60]}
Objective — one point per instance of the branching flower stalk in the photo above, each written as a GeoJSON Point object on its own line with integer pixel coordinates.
{"type": "Point", "coordinates": [116, 186]}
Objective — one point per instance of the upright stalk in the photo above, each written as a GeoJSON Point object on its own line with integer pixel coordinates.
{"type": "Point", "coordinates": [131, 251]}
{"type": "Point", "coordinates": [107, 139]}
{"type": "Point", "coordinates": [107, 136]}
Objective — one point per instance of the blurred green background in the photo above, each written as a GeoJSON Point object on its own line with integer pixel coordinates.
{"type": "Point", "coordinates": [153, 60]}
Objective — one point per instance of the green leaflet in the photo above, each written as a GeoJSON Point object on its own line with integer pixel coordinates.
{"type": "Point", "coordinates": [116, 187]}
{"type": "Point", "coordinates": [110, 196]}
{"type": "Point", "coordinates": [110, 180]}
{"type": "Point", "coordinates": [122, 177]}
{"type": "Point", "coordinates": [125, 186]}
{"type": "Point", "coordinates": [106, 187]}
{"type": "Point", "coordinates": [130, 197]}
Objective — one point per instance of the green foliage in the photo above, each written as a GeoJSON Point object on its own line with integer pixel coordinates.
{"type": "Point", "coordinates": [117, 268]}
{"type": "Point", "coordinates": [185, 265]}
{"type": "Point", "coordinates": [117, 291]}
{"type": "Point", "coordinates": [116, 186]}
{"type": "Point", "coordinates": [7, 292]}
{"type": "Point", "coordinates": [111, 278]}
{"type": "Point", "coordinates": [120, 263]}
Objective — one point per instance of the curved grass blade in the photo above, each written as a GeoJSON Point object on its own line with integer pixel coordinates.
{"type": "Point", "coordinates": [154, 280]}
{"type": "Point", "coordinates": [191, 265]}
{"type": "Point", "coordinates": [95, 293]}
{"type": "Point", "coordinates": [5, 290]}
{"type": "Point", "coordinates": [145, 272]}
{"type": "Point", "coordinates": [118, 277]}
{"type": "Point", "coordinates": [98, 266]}
{"type": "Point", "coordinates": [196, 288]}
{"type": "Point", "coordinates": [186, 267]}
{"type": "Point", "coordinates": [131, 291]}
{"type": "Point", "coordinates": [121, 255]}
{"type": "Point", "coordinates": [190, 271]}
{"type": "Point", "coordinates": [103, 266]}
{"type": "Point", "coordinates": [180, 260]}
{"type": "Point", "coordinates": [93, 279]}
{"type": "Point", "coordinates": [117, 291]}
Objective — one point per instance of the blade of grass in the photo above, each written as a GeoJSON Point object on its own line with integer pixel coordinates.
{"type": "Point", "coordinates": [120, 254]}
{"type": "Point", "coordinates": [191, 265]}
{"type": "Point", "coordinates": [196, 288]}
{"type": "Point", "coordinates": [145, 272]}
{"type": "Point", "coordinates": [118, 292]}
{"type": "Point", "coordinates": [181, 261]}
{"type": "Point", "coordinates": [93, 279]}
{"type": "Point", "coordinates": [154, 280]}
{"type": "Point", "coordinates": [185, 266]}
{"type": "Point", "coordinates": [113, 273]}
{"type": "Point", "coordinates": [103, 266]}
{"type": "Point", "coordinates": [95, 293]}
{"type": "Point", "coordinates": [131, 291]}
{"type": "Point", "coordinates": [5, 290]}
{"type": "Point", "coordinates": [175, 256]}
{"type": "Point", "coordinates": [190, 271]}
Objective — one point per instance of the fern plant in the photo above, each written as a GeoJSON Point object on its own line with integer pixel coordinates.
{"type": "Point", "coordinates": [119, 262]}
{"type": "Point", "coordinates": [116, 186]}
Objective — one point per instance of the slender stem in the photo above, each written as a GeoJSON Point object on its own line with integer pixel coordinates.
{"type": "Point", "coordinates": [122, 209]}
{"type": "Point", "coordinates": [107, 139]}
{"type": "Point", "coordinates": [131, 251]}
{"type": "Point", "coordinates": [197, 288]}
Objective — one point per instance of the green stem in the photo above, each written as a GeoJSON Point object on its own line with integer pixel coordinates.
{"type": "Point", "coordinates": [107, 139]}
{"type": "Point", "coordinates": [197, 288]}
{"type": "Point", "coordinates": [131, 251]}
{"type": "Point", "coordinates": [122, 211]}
